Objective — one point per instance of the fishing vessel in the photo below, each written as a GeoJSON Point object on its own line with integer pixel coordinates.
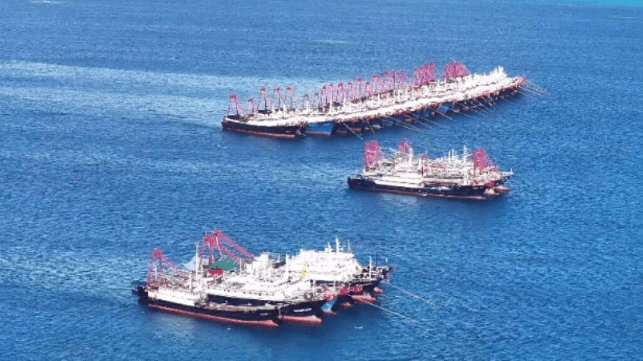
{"type": "Point", "coordinates": [387, 100]}
{"type": "Point", "coordinates": [178, 291]}
{"type": "Point", "coordinates": [340, 270]}
{"type": "Point", "coordinates": [259, 283]}
{"type": "Point", "coordinates": [250, 292]}
{"type": "Point", "coordinates": [466, 175]}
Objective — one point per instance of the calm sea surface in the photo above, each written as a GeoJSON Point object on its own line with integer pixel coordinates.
{"type": "Point", "coordinates": [111, 145]}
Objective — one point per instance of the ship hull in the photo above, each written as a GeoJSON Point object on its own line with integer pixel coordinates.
{"type": "Point", "coordinates": [282, 131]}
{"type": "Point", "coordinates": [343, 301]}
{"type": "Point", "coordinates": [305, 313]}
{"type": "Point", "coordinates": [364, 297]}
{"type": "Point", "coordinates": [308, 308]}
{"type": "Point", "coordinates": [328, 306]}
{"type": "Point", "coordinates": [230, 318]}
{"type": "Point", "coordinates": [320, 129]}
{"type": "Point", "coordinates": [437, 191]}
{"type": "Point", "coordinates": [301, 312]}
{"type": "Point", "coordinates": [221, 313]}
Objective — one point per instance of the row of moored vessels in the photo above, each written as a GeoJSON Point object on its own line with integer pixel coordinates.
{"type": "Point", "coordinates": [466, 175]}
{"type": "Point", "coordinates": [225, 282]}
{"type": "Point", "coordinates": [386, 100]}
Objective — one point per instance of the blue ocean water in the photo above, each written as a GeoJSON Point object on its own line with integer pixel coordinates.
{"type": "Point", "coordinates": [111, 145]}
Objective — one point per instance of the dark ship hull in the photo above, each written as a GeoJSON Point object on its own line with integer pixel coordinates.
{"type": "Point", "coordinates": [362, 125]}
{"type": "Point", "coordinates": [434, 190]}
{"type": "Point", "coordinates": [303, 313]}
{"type": "Point", "coordinates": [244, 315]}
{"type": "Point", "coordinates": [285, 132]}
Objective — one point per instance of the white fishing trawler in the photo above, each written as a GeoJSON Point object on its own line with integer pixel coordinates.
{"type": "Point", "coordinates": [184, 292]}
{"type": "Point", "coordinates": [466, 175]}
{"type": "Point", "coordinates": [338, 269]}
{"type": "Point", "coordinates": [260, 283]}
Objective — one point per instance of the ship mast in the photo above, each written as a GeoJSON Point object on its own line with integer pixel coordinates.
{"type": "Point", "coordinates": [197, 265]}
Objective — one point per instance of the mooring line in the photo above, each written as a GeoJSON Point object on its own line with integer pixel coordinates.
{"type": "Point", "coordinates": [351, 130]}
{"type": "Point", "coordinates": [419, 120]}
{"type": "Point", "coordinates": [537, 87]}
{"type": "Point", "coordinates": [444, 115]}
{"type": "Point", "coordinates": [392, 312]}
{"type": "Point", "coordinates": [482, 114]}
{"type": "Point", "coordinates": [484, 108]}
{"type": "Point", "coordinates": [370, 126]}
{"type": "Point", "coordinates": [425, 124]}
{"type": "Point", "coordinates": [462, 112]}
{"type": "Point", "coordinates": [430, 303]}
{"type": "Point", "coordinates": [531, 91]}
{"type": "Point", "coordinates": [530, 94]}
{"type": "Point", "coordinates": [407, 126]}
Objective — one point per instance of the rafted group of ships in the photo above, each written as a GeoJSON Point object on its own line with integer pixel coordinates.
{"type": "Point", "coordinates": [387, 100]}
{"type": "Point", "coordinates": [259, 290]}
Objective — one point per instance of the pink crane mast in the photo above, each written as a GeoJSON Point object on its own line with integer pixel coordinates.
{"type": "Point", "coordinates": [276, 96]}
{"type": "Point", "coordinates": [402, 79]}
{"type": "Point", "coordinates": [158, 264]}
{"type": "Point", "coordinates": [455, 70]}
{"type": "Point", "coordinates": [252, 107]}
{"type": "Point", "coordinates": [389, 80]}
{"type": "Point", "coordinates": [227, 240]}
{"type": "Point", "coordinates": [430, 72]}
{"type": "Point", "coordinates": [371, 153]}
{"type": "Point", "coordinates": [368, 89]}
{"type": "Point", "coordinates": [449, 71]}
{"type": "Point", "coordinates": [328, 93]}
{"type": "Point", "coordinates": [361, 89]}
{"type": "Point", "coordinates": [378, 84]}
{"type": "Point", "coordinates": [212, 243]}
{"type": "Point", "coordinates": [350, 91]}
{"type": "Point", "coordinates": [481, 160]}
{"type": "Point", "coordinates": [404, 146]}
{"type": "Point", "coordinates": [234, 108]}
{"type": "Point", "coordinates": [264, 99]}
{"type": "Point", "coordinates": [460, 69]}
{"type": "Point", "coordinates": [340, 93]}
{"type": "Point", "coordinates": [418, 76]}
{"type": "Point", "coordinates": [218, 241]}
{"type": "Point", "coordinates": [291, 99]}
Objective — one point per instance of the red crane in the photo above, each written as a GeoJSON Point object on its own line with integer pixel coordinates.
{"type": "Point", "coordinates": [234, 108]}
{"type": "Point", "coordinates": [371, 152]}
{"type": "Point", "coordinates": [481, 160]}
{"type": "Point", "coordinates": [159, 265]}
{"type": "Point", "coordinates": [404, 146]}
{"type": "Point", "coordinates": [217, 240]}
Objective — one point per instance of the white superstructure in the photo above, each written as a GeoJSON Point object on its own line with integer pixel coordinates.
{"type": "Point", "coordinates": [329, 266]}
